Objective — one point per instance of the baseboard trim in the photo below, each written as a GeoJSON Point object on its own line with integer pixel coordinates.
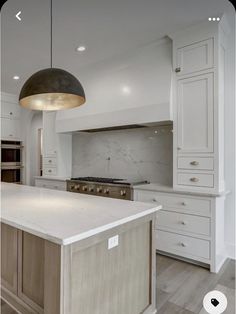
{"type": "Point", "coordinates": [230, 250]}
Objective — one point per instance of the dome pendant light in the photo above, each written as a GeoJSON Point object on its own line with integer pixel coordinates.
{"type": "Point", "coordinates": [52, 89]}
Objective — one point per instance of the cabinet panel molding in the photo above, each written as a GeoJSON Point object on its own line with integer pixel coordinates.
{"type": "Point", "coordinates": [9, 257]}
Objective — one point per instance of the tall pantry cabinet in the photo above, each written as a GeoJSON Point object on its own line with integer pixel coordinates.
{"type": "Point", "coordinates": [199, 66]}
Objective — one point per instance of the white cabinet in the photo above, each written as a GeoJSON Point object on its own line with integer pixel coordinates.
{"type": "Point", "coordinates": [195, 57]}
{"type": "Point", "coordinates": [198, 106]}
{"type": "Point", "coordinates": [188, 226]}
{"type": "Point", "coordinates": [49, 134]}
{"type": "Point", "coordinates": [10, 129]}
{"type": "Point", "coordinates": [10, 117]}
{"type": "Point", "coordinates": [57, 149]}
{"type": "Point", "coordinates": [195, 111]}
{"type": "Point", "coordinates": [10, 110]}
{"type": "Point", "coordinates": [53, 184]}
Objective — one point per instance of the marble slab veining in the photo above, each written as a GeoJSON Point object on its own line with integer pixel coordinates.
{"type": "Point", "coordinates": [64, 217]}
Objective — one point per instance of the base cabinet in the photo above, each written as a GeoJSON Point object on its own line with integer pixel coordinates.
{"type": "Point", "coordinates": [83, 277]}
{"type": "Point", "coordinates": [189, 227]}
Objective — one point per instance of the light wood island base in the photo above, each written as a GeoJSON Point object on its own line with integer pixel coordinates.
{"type": "Point", "coordinates": [39, 276]}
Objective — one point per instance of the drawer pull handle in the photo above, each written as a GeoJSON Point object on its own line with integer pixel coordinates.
{"type": "Point", "coordinates": [184, 223]}
{"type": "Point", "coordinates": [194, 163]}
{"type": "Point", "coordinates": [177, 70]}
{"type": "Point", "coordinates": [183, 244]}
{"type": "Point", "coordinates": [194, 179]}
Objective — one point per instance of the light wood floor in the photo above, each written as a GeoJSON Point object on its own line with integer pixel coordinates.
{"type": "Point", "coordinates": [181, 287]}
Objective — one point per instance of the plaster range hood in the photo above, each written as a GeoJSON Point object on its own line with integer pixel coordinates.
{"type": "Point", "coordinates": [148, 74]}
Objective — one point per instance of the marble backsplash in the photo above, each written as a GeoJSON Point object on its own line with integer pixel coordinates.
{"type": "Point", "coordinates": [139, 154]}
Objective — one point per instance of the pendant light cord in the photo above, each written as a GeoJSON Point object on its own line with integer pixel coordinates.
{"type": "Point", "coordinates": [51, 32]}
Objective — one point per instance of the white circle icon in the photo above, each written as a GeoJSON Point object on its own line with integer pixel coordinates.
{"type": "Point", "coordinates": [215, 302]}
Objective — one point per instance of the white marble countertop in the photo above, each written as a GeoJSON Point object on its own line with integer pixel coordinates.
{"type": "Point", "coordinates": [169, 189]}
{"type": "Point", "coordinates": [64, 217]}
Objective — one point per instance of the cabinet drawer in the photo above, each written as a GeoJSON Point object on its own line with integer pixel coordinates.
{"type": "Point", "coordinates": [182, 222]}
{"type": "Point", "coordinates": [198, 163]}
{"type": "Point", "coordinates": [177, 202]}
{"type": "Point", "coordinates": [53, 184]}
{"type": "Point", "coordinates": [49, 171]}
{"type": "Point", "coordinates": [182, 245]}
{"type": "Point", "coordinates": [50, 161]}
{"type": "Point", "coordinates": [196, 179]}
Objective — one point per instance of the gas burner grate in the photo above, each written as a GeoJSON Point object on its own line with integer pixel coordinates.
{"type": "Point", "coordinates": [97, 179]}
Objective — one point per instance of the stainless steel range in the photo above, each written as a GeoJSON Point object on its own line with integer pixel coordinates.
{"type": "Point", "coordinates": [106, 187]}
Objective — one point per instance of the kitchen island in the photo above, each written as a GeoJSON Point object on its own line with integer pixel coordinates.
{"type": "Point", "coordinates": [66, 253]}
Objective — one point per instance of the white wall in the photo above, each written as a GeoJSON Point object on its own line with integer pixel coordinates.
{"type": "Point", "coordinates": [230, 138]}
{"type": "Point", "coordinates": [143, 154]}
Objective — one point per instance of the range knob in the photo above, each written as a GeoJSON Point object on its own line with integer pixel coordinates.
{"type": "Point", "coordinates": [72, 187]}
{"type": "Point", "coordinates": [77, 187]}
{"type": "Point", "coordinates": [106, 191]}
{"type": "Point", "coordinates": [91, 189]}
{"type": "Point", "coordinates": [99, 190]}
{"type": "Point", "coordinates": [122, 192]}
{"type": "Point", "coordinates": [85, 188]}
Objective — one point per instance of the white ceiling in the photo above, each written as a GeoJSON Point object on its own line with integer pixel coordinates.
{"type": "Point", "coordinates": [106, 27]}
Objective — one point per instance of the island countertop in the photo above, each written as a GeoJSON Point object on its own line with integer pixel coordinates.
{"type": "Point", "coordinates": [64, 217]}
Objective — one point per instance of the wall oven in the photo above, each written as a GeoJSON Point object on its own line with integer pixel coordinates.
{"type": "Point", "coordinates": [11, 161]}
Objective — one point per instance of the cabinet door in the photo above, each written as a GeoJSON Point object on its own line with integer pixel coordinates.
{"type": "Point", "coordinates": [10, 110]}
{"type": "Point", "coordinates": [195, 111]}
{"type": "Point", "coordinates": [195, 57]}
{"type": "Point", "coordinates": [49, 134]}
{"type": "Point", "coordinates": [9, 257]}
{"type": "Point", "coordinates": [10, 128]}
{"type": "Point", "coordinates": [31, 270]}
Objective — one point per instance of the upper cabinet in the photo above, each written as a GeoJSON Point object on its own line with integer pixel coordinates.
{"type": "Point", "coordinates": [195, 110]}
{"type": "Point", "coordinates": [10, 117]}
{"type": "Point", "coordinates": [195, 57]}
{"type": "Point", "coordinates": [198, 106]}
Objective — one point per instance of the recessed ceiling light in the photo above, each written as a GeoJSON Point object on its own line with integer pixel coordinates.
{"type": "Point", "coordinates": [16, 77]}
{"type": "Point", "coordinates": [81, 48]}
{"type": "Point", "coordinates": [209, 19]}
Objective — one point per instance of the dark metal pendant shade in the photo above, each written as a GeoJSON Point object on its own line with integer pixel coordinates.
{"type": "Point", "coordinates": [52, 89]}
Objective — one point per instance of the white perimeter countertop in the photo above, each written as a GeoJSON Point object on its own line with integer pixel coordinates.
{"type": "Point", "coordinates": [157, 187]}
{"type": "Point", "coordinates": [64, 217]}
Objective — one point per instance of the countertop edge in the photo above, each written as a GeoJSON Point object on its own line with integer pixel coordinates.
{"type": "Point", "coordinates": [84, 235]}
{"type": "Point", "coordinates": [170, 190]}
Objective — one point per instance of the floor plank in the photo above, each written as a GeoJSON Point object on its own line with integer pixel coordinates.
{"type": "Point", "coordinates": [171, 308]}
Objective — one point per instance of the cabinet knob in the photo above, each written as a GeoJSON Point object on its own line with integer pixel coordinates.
{"type": "Point", "coordinates": [154, 200]}
{"type": "Point", "coordinates": [50, 160]}
{"type": "Point", "coordinates": [184, 203]}
{"type": "Point", "coordinates": [183, 244]}
{"type": "Point", "coordinates": [49, 170]}
{"type": "Point", "coordinates": [179, 148]}
{"type": "Point", "coordinates": [194, 163]}
{"type": "Point", "coordinates": [177, 70]}
{"type": "Point", "coordinates": [11, 113]}
{"type": "Point", "coordinates": [184, 223]}
{"type": "Point", "coordinates": [194, 179]}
